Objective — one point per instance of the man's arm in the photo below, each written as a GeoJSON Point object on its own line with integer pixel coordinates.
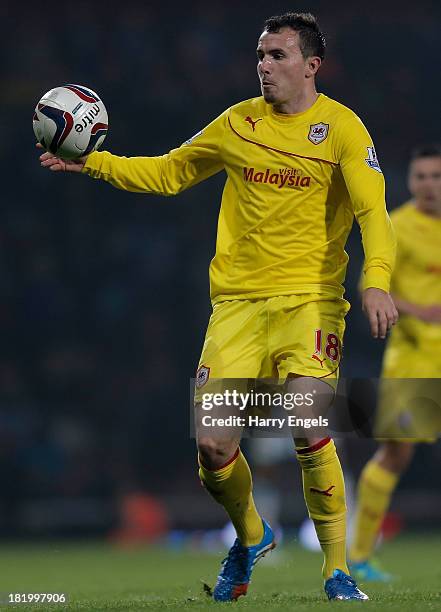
{"type": "Point", "coordinates": [365, 184]}
{"type": "Point", "coordinates": [429, 314]}
{"type": "Point", "coordinates": [196, 160]}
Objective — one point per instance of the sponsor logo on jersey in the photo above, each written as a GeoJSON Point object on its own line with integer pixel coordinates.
{"type": "Point", "coordinates": [284, 177]}
{"type": "Point", "coordinates": [372, 160]}
{"type": "Point", "coordinates": [318, 132]}
{"type": "Point", "coordinates": [252, 122]}
{"type": "Point", "coordinates": [190, 140]}
{"type": "Point", "coordinates": [202, 376]}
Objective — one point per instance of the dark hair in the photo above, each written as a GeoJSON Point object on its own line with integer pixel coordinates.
{"type": "Point", "coordinates": [311, 39]}
{"type": "Point", "coordinates": [428, 150]}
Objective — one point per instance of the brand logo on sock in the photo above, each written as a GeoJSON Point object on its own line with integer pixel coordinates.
{"type": "Point", "coordinates": [325, 492]}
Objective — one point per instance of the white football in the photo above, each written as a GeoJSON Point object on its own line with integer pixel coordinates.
{"type": "Point", "coordinates": [70, 121]}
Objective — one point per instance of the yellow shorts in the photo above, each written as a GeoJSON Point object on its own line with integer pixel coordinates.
{"type": "Point", "coordinates": [272, 338]}
{"type": "Point", "coordinates": [409, 406]}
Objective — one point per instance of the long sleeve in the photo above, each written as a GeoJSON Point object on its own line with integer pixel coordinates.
{"type": "Point", "coordinates": [197, 159]}
{"type": "Point", "coordinates": [365, 183]}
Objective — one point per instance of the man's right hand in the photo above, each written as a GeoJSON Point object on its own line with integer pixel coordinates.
{"type": "Point", "coordinates": [56, 164]}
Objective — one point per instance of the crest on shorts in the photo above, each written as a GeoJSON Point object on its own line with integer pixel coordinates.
{"type": "Point", "coordinates": [318, 132]}
{"type": "Point", "coordinates": [202, 376]}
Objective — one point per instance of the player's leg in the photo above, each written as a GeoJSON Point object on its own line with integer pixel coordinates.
{"type": "Point", "coordinates": [394, 456]}
{"type": "Point", "coordinates": [310, 363]}
{"type": "Point", "coordinates": [225, 474]}
{"type": "Point", "coordinates": [377, 483]}
{"type": "Point", "coordinates": [233, 352]}
{"type": "Point", "coordinates": [230, 484]}
{"type": "Point", "coordinates": [407, 413]}
{"type": "Point", "coordinates": [324, 491]}
{"type": "Point", "coordinates": [322, 477]}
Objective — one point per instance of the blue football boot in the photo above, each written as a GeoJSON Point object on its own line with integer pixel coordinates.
{"type": "Point", "coordinates": [342, 587]}
{"type": "Point", "coordinates": [235, 574]}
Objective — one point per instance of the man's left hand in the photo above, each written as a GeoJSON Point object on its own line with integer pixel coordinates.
{"type": "Point", "coordinates": [380, 309]}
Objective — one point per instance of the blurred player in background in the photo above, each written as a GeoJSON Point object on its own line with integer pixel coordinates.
{"type": "Point", "coordinates": [299, 166]}
{"type": "Point", "coordinates": [413, 351]}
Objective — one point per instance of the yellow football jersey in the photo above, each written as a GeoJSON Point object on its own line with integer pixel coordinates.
{"type": "Point", "coordinates": [408, 410]}
{"type": "Point", "coordinates": [417, 274]}
{"type": "Point", "coordinates": [294, 183]}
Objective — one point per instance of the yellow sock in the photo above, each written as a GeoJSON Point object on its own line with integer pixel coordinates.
{"type": "Point", "coordinates": [232, 487]}
{"type": "Point", "coordinates": [324, 491]}
{"type": "Point", "coordinates": [375, 489]}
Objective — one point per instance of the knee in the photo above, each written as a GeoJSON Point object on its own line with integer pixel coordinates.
{"type": "Point", "coordinates": [396, 456]}
{"type": "Point", "coordinates": [215, 453]}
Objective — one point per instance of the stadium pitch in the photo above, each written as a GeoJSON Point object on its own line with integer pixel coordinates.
{"type": "Point", "coordinates": [99, 577]}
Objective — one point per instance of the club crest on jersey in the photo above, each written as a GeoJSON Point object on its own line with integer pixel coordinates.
{"type": "Point", "coordinates": [318, 132]}
{"type": "Point", "coordinates": [372, 160]}
{"type": "Point", "coordinates": [202, 376]}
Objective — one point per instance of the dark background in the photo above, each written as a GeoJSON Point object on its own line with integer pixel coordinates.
{"type": "Point", "coordinates": [105, 294]}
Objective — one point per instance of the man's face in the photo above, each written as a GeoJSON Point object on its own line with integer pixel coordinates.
{"type": "Point", "coordinates": [425, 182]}
{"type": "Point", "coordinates": [281, 67]}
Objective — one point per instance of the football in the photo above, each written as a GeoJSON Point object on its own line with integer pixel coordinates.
{"type": "Point", "coordinates": [70, 121]}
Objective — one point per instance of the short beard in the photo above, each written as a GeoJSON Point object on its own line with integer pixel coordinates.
{"type": "Point", "coordinates": [269, 98]}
